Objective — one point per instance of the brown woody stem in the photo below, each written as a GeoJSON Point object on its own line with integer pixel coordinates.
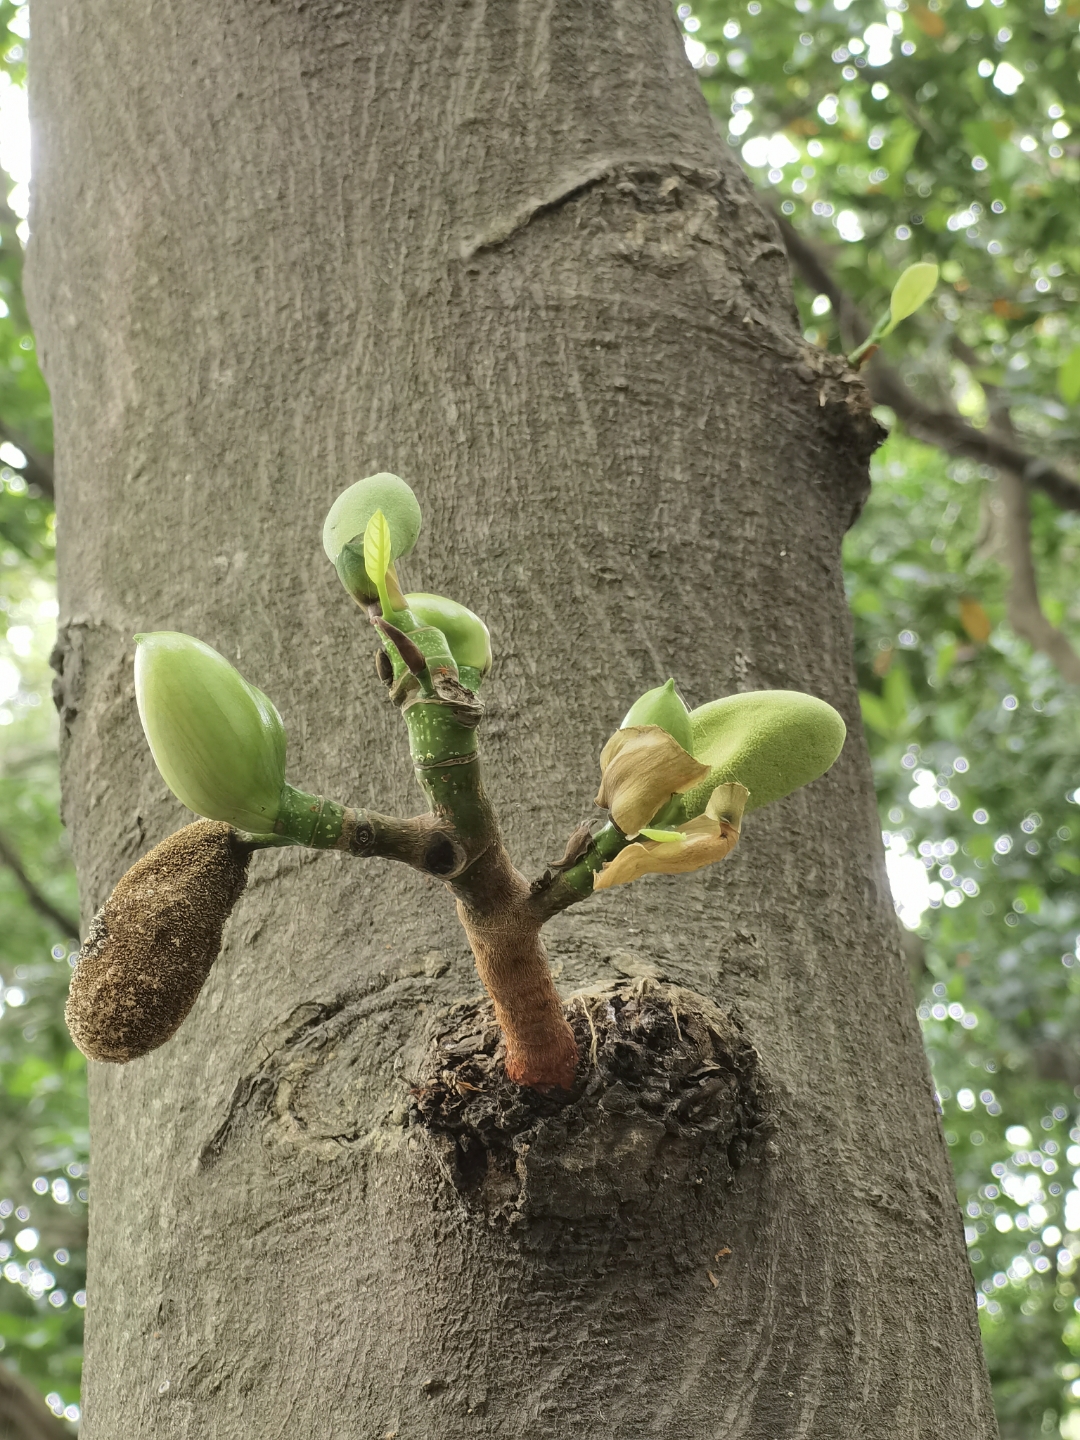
{"type": "Point", "coordinates": [460, 843]}
{"type": "Point", "coordinates": [494, 901]}
{"type": "Point", "coordinates": [493, 907]}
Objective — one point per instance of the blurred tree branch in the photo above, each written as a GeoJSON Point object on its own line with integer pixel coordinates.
{"type": "Point", "coordinates": [1024, 607]}
{"type": "Point", "coordinates": [23, 1415]}
{"type": "Point", "coordinates": [38, 469]}
{"type": "Point", "coordinates": [67, 926]}
{"type": "Point", "coordinates": [943, 428]}
{"type": "Point", "coordinates": [1019, 471]}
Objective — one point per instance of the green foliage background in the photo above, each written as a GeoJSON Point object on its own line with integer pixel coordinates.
{"type": "Point", "coordinates": [886, 133]}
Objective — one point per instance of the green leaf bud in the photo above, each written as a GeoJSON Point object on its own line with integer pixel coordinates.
{"type": "Point", "coordinates": [771, 741]}
{"type": "Point", "coordinates": [665, 708]}
{"type": "Point", "coordinates": [218, 741]}
{"type": "Point", "coordinates": [466, 634]}
{"type": "Point", "coordinates": [347, 521]}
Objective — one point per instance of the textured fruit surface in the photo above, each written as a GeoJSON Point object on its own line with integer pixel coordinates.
{"type": "Point", "coordinates": [354, 507]}
{"type": "Point", "coordinates": [151, 945]}
{"type": "Point", "coordinates": [665, 708]}
{"type": "Point", "coordinates": [218, 741]}
{"type": "Point", "coordinates": [771, 741]}
{"type": "Point", "coordinates": [466, 634]}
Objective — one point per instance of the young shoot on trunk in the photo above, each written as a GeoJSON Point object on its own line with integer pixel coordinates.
{"type": "Point", "coordinates": [675, 783]}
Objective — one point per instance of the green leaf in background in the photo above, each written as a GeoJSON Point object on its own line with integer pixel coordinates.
{"type": "Point", "coordinates": [911, 292]}
{"type": "Point", "coordinates": [1069, 377]}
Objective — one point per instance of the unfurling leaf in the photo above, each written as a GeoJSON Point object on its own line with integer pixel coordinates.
{"type": "Point", "coordinates": [911, 291]}
{"type": "Point", "coordinates": [662, 835]}
{"type": "Point", "coordinates": [975, 620]}
{"type": "Point", "coordinates": [345, 525]}
{"type": "Point", "coordinates": [377, 554]}
{"type": "Point", "coordinates": [643, 767]}
{"type": "Point", "coordinates": [151, 945]}
{"type": "Point", "coordinates": [706, 839]}
{"type": "Point", "coordinates": [218, 741]}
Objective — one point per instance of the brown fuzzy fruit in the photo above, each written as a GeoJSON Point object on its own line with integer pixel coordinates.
{"type": "Point", "coordinates": [151, 945]}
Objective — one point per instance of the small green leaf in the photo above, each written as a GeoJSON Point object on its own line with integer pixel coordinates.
{"type": "Point", "coordinates": [343, 530]}
{"type": "Point", "coordinates": [1069, 377]}
{"type": "Point", "coordinates": [911, 291]}
{"type": "Point", "coordinates": [945, 660]}
{"type": "Point", "coordinates": [875, 714]}
{"type": "Point", "coordinates": [899, 698]}
{"type": "Point", "coordinates": [377, 554]}
{"type": "Point", "coordinates": [669, 836]}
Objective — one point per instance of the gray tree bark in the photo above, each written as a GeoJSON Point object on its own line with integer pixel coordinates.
{"type": "Point", "coordinates": [499, 250]}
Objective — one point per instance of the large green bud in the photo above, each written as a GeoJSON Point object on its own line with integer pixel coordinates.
{"type": "Point", "coordinates": [466, 634]}
{"type": "Point", "coordinates": [665, 708]}
{"type": "Point", "coordinates": [218, 742]}
{"type": "Point", "coordinates": [771, 741]}
{"type": "Point", "coordinates": [344, 527]}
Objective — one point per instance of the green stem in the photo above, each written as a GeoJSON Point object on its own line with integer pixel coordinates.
{"type": "Point", "coordinates": [877, 334]}
{"type": "Point", "coordinates": [576, 884]}
{"type": "Point", "coordinates": [460, 842]}
{"type": "Point", "coordinates": [426, 842]}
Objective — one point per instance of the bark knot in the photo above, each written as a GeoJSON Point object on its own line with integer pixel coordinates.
{"type": "Point", "coordinates": [668, 1098]}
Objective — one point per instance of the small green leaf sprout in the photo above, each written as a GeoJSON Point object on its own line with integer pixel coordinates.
{"type": "Point", "coordinates": [378, 564]}
{"type": "Point", "coordinates": [910, 293]}
{"type": "Point", "coordinates": [345, 528]}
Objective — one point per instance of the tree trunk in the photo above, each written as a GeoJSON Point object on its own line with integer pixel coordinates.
{"type": "Point", "coordinates": [500, 251]}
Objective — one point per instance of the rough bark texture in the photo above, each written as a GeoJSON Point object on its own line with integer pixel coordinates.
{"type": "Point", "coordinates": [497, 249]}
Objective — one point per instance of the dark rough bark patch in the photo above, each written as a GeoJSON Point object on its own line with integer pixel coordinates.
{"type": "Point", "coordinates": [668, 1095]}
{"type": "Point", "coordinates": [848, 419]}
